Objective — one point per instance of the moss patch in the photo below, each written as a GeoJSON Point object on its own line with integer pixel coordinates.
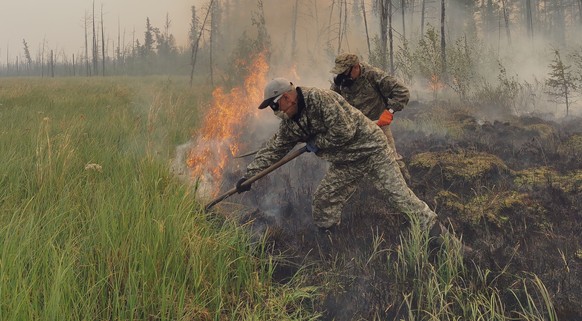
{"type": "Point", "coordinates": [572, 147]}
{"type": "Point", "coordinates": [494, 207]}
{"type": "Point", "coordinates": [539, 177]}
{"type": "Point", "coordinates": [463, 169]}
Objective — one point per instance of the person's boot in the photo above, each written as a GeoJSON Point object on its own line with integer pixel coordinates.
{"type": "Point", "coordinates": [437, 234]}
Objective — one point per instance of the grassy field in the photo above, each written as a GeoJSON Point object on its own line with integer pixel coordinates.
{"type": "Point", "coordinates": [94, 227]}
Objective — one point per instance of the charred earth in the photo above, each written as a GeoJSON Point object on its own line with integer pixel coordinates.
{"type": "Point", "coordinates": [512, 189]}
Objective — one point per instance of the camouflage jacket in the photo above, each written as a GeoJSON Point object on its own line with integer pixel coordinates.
{"type": "Point", "coordinates": [364, 94]}
{"type": "Point", "coordinates": [342, 133]}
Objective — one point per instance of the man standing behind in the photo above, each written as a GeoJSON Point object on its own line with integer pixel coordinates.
{"type": "Point", "coordinates": [353, 145]}
{"type": "Point", "coordinates": [372, 91]}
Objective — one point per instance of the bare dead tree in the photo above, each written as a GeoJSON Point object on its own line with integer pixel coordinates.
{"type": "Point", "coordinates": [383, 11]}
{"type": "Point", "coordinates": [411, 9]}
{"type": "Point", "coordinates": [118, 49]}
{"type": "Point", "coordinates": [391, 37]}
{"type": "Point", "coordinates": [102, 44]}
{"type": "Point", "coordinates": [529, 19]}
{"type": "Point", "coordinates": [403, 10]}
{"type": "Point", "coordinates": [88, 69]}
{"type": "Point", "coordinates": [214, 24]}
{"type": "Point", "coordinates": [330, 16]}
{"type": "Point", "coordinates": [42, 59]}
{"type": "Point", "coordinates": [294, 29]}
{"type": "Point", "coordinates": [133, 49]}
{"type": "Point", "coordinates": [123, 49]}
{"type": "Point", "coordinates": [422, 14]}
{"type": "Point", "coordinates": [340, 28]}
{"type": "Point", "coordinates": [52, 65]}
{"type": "Point", "coordinates": [95, 50]}
{"type": "Point", "coordinates": [196, 43]}
{"type": "Point", "coordinates": [7, 61]}
{"type": "Point", "coordinates": [366, 27]}
{"type": "Point", "coordinates": [345, 24]}
{"type": "Point", "coordinates": [443, 41]}
{"type": "Point", "coordinates": [506, 19]}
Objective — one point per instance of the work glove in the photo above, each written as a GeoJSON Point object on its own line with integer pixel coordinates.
{"type": "Point", "coordinates": [385, 118]}
{"type": "Point", "coordinates": [311, 147]}
{"type": "Point", "coordinates": [240, 188]}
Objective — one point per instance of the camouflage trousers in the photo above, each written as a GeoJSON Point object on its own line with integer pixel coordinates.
{"type": "Point", "coordinates": [382, 171]}
{"type": "Point", "coordinates": [388, 133]}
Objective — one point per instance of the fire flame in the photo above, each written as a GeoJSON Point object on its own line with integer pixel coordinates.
{"type": "Point", "coordinates": [219, 137]}
{"type": "Point", "coordinates": [435, 84]}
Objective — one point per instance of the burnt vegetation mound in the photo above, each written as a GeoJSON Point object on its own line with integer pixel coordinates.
{"type": "Point", "coordinates": [512, 189]}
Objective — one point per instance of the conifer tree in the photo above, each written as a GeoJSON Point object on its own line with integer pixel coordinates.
{"type": "Point", "coordinates": [27, 54]}
{"type": "Point", "coordinates": [561, 83]}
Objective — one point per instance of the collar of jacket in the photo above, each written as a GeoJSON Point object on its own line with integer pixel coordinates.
{"type": "Point", "coordinates": [300, 104]}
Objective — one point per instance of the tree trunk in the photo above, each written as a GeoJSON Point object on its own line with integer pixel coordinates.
{"type": "Point", "coordinates": [366, 26]}
{"type": "Point", "coordinates": [489, 20]}
{"type": "Point", "coordinates": [390, 37]}
{"type": "Point", "coordinates": [383, 33]}
{"type": "Point", "coordinates": [422, 10]}
{"type": "Point", "coordinates": [87, 67]}
{"type": "Point", "coordinates": [213, 31]}
{"type": "Point", "coordinates": [329, 38]}
{"type": "Point", "coordinates": [52, 64]}
{"type": "Point", "coordinates": [559, 31]}
{"type": "Point", "coordinates": [345, 28]}
{"type": "Point", "coordinates": [443, 42]}
{"type": "Point", "coordinates": [94, 42]}
{"type": "Point", "coordinates": [403, 19]}
{"type": "Point", "coordinates": [102, 44]}
{"type": "Point", "coordinates": [118, 49]}
{"type": "Point", "coordinates": [41, 59]}
{"type": "Point", "coordinates": [340, 28]}
{"type": "Point", "coordinates": [567, 103]}
{"type": "Point", "coordinates": [196, 44]}
{"type": "Point", "coordinates": [506, 19]}
{"type": "Point", "coordinates": [294, 30]}
{"type": "Point", "coordinates": [529, 19]}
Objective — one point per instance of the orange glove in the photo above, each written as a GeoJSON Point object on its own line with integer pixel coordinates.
{"type": "Point", "coordinates": [385, 118]}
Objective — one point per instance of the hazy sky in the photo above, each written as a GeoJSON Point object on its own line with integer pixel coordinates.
{"type": "Point", "coordinates": [60, 22]}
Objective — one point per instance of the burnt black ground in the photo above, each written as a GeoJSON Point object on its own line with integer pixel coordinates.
{"type": "Point", "coordinates": [536, 227]}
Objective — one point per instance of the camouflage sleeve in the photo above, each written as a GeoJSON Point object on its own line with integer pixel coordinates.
{"type": "Point", "coordinates": [330, 109]}
{"type": "Point", "coordinates": [394, 91]}
{"type": "Point", "coordinates": [397, 95]}
{"type": "Point", "coordinates": [275, 149]}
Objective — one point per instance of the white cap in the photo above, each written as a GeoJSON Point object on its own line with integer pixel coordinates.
{"type": "Point", "coordinates": [274, 90]}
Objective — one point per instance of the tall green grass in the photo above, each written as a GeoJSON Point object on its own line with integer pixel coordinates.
{"type": "Point", "coordinates": [94, 227]}
{"type": "Point", "coordinates": [443, 286]}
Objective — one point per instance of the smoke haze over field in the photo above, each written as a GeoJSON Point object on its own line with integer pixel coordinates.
{"type": "Point", "coordinates": [61, 22]}
{"type": "Point", "coordinates": [304, 35]}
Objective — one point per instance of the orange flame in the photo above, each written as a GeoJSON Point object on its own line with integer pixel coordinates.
{"type": "Point", "coordinates": [218, 138]}
{"type": "Point", "coordinates": [435, 83]}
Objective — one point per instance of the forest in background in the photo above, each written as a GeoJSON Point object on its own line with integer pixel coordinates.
{"type": "Point", "coordinates": [513, 54]}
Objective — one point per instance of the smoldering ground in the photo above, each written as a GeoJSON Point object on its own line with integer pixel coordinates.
{"type": "Point", "coordinates": [511, 189]}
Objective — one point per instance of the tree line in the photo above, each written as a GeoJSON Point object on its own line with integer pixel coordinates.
{"type": "Point", "coordinates": [442, 42]}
